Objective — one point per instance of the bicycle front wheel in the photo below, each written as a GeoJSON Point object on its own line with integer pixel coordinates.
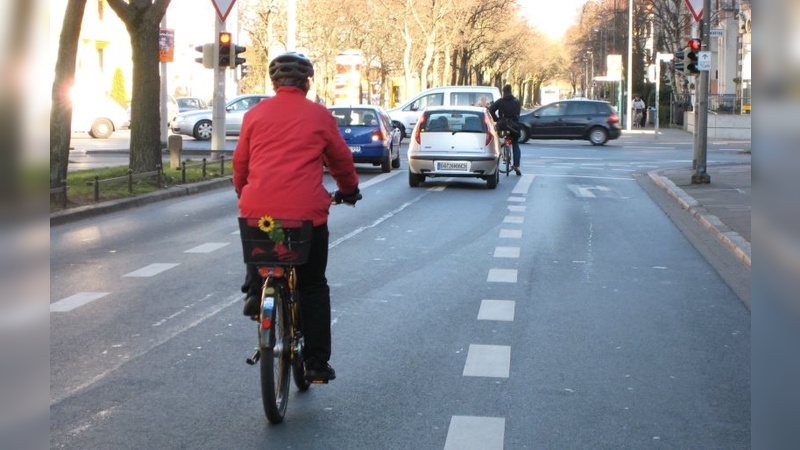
{"type": "Point", "coordinates": [275, 354]}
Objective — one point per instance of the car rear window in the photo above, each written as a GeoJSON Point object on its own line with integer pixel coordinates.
{"type": "Point", "coordinates": [453, 121]}
{"type": "Point", "coordinates": [355, 117]}
{"type": "Point", "coordinates": [471, 98]}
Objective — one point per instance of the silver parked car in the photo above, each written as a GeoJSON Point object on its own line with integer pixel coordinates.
{"type": "Point", "coordinates": [198, 123]}
{"type": "Point", "coordinates": [454, 141]}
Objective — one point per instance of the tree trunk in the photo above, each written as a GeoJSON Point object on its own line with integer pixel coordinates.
{"type": "Point", "coordinates": [61, 109]}
{"type": "Point", "coordinates": [142, 18]}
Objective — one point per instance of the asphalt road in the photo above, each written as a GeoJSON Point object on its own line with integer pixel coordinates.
{"type": "Point", "coordinates": [562, 310]}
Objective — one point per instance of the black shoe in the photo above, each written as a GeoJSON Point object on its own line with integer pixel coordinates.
{"type": "Point", "coordinates": [517, 171]}
{"type": "Point", "coordinates": [251, 305]}
{"type": "Point", "coordinates": [319, 371]}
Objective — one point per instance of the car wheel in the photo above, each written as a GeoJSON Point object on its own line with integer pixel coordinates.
{"type": "Point", "coordinates": [414, 179]}
{"type": "Point", "coordinates": [598, 136]}
{"type": "Point", "coordinates": [202, 131]}
{"type": "Point", "coordinates": [101, 129]}
{"type": "Point", "coordinates": [386, 163]}
{"type": "Point", "coordinates": [493, 180]}
{"type": "Point", "coordinates": [401, 127]}
{"type": "Point", "coordinates": [396, 161]}
{"type": "Point", "coordinates": [524, 134]}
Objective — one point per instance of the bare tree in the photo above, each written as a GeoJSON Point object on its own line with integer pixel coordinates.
{"type": "Point", "coordinates": [61, 109]}
{"type": "Point", "coordinates": [142, 18]}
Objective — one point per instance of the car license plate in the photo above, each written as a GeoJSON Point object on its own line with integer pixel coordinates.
{"type": "Point", "coordinates": [355, 149]}
{"type": "Point", "coordinates": [460, 166]}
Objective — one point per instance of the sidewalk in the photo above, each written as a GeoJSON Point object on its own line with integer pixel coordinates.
{"type": "Point", "coordinates": [722, 206]}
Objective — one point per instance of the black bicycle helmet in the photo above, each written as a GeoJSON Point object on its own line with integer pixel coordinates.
{"type": "Point", "coordinates": [291, 65]}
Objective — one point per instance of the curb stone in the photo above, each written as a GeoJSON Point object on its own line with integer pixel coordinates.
{"type": "Point", "coordinates": [729, 238]}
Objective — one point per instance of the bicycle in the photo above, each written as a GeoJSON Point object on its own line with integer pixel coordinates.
{"type": "Point", "coordinates": [505, 152]}
{"type": "Point", "coordinates": [277, 246]}
{"type": "Point", "coordinates": [637, 118]}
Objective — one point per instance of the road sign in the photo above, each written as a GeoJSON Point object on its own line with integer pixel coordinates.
{"type": "Point", "coordinates": [223, 8]}
{"type": "Point", "coordinates": [704, 61]}
{"type": "Point", "coordinates": [696, 7]}
{"type": "Point", "coordinates": [716, 32]}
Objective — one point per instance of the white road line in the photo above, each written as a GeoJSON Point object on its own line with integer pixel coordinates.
{"type": "Point", "coordinates": [207, 247]}
{"type": "Point", "coordinates": [502, 310]}
{"type": "Point", "coordinates": [511, 234]}
{"type": "Point", "coordinates": [502, 276]}
{"type": "Point", "coordinates": [513, 219]}
{"type": "Point", "coordinates": [75, 301]}
{"type": "Point", "coordinates": [488, 361]}
{"type": "Point", "coordinates": [516, 199]}
{"type": "Point", "coordinates": [523, 185]}
{"type": "Point", "coordinates": [151, 270]}
{"type": "Point", "coordinates": [587, 176]}
{"type": "Point", "coordinates": [378, 179]}
{"type": "Point", "coordinates": [381, 219]}
{"type": "Point", "coordinates": [506, 252]}
{"type": "Point", "coordinates": [517, 208]}
{"type": "Point", "coordinates": [475, 433]}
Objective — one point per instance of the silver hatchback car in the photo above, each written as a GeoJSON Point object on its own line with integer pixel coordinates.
{"type": "Point", "coordinates": [454, 141]}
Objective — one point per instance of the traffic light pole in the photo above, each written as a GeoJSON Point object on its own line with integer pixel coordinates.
{"type": "Point", "coordinates": [700, 175]}
{"type": "Point", "coordinates": [218, 107]}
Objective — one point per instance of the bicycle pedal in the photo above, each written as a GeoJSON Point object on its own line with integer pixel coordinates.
{"type": "Point", "coordinates": [318, 381]}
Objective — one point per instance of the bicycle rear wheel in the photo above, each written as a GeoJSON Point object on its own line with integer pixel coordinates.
{"type": "Point", "coordinates": [507, 159]}
{"type": "Point", "coordinates": [275, 354]}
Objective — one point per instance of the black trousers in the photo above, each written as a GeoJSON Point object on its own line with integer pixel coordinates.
{"type": "Point", "coordinates": [315, 298]}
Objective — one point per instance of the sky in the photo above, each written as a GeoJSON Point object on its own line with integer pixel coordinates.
{"type": "Point", "coordinates": [552, 17]}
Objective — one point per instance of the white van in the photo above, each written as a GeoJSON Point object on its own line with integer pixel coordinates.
{"type": "Point", "coordinates": [406, 115]}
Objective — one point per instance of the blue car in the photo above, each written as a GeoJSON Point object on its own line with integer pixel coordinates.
{"type": "Point", "coordinates": [370, 134]}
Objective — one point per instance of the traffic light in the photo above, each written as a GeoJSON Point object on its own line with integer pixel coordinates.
{"type": "Point", "coordinates": [207, 60]}
{"type": "Point", "coordinates": [224, 43]}
{"type": "Point", "coordinates": [678, 61]}
{"type": "Point", "coordinates": [691, 56]}
{"type": "Point", "coordinates": [236, 60]}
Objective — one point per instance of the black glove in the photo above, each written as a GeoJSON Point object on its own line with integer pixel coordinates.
{"type": "Point", "coordinates": [350, 199]}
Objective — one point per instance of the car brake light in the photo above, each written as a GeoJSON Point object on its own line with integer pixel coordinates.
{"type": "Point", "coordinates": [487, 125]}
{"type": "Point", "coordinates": [377, 136]}
{"type": "Point", "coordinates": [613, 118]}
{"type": "Point", "coordinates": [419, 128]}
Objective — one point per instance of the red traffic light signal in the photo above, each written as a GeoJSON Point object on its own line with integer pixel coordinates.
{"type": "Point", "coordinates": [224, 42]}
{"type": "Point", "coordinates": [691, 56]}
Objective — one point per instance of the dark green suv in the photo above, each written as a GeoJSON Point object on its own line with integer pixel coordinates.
{"type": "Point", "coordinates": [593, 120]}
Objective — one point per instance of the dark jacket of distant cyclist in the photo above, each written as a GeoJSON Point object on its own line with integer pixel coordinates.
{"type": "Point", "coordinates": [505, 111]}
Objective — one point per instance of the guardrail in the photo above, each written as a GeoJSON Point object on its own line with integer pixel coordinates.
{"type": "Point", "coordinates": [129, 178]}
{"type": "Point", "coordinates": [204, 164]}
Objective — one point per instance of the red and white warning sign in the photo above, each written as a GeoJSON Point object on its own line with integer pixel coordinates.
{"type": "Point", "coordinates": [223, 8]}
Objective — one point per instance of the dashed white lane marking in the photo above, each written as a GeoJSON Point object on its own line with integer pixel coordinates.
{"type": "Point", "coordinates": [523, 185]}
{"type": "Point", "coordinates": [74, 301]}
{"type": "Point", "coordinates": [488, 361]}
{"type": "Point", "coordinates": [475, 433]}
{"type": "Point", "coordinates": [207, 247]}
{"type": "Point", "coordinates": [502, 310]}
{"type": "Point", "coordinates": [516, 199]}
{"type": "Point", "coordinates": [506, 252]}
{"type": "Point", "coordinates": [513, 219]}
{"type": "Point", "coordinates": [516, 208]}
{"type": "Point", "coordinates": [151, 270]}
{"type": "Point", "coordinates": [511, 234]}
{"type": "Point", "coordinates": [502, 276]}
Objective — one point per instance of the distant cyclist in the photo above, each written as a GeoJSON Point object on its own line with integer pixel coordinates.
{"type": "Point", "coordinates": [285, 143]}
{"type": "Point", "coordinates": [505, 111]}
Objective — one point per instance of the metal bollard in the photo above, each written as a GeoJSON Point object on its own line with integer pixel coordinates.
{"type": "Point", "coordinates": [204, 168]}
{"type": "Point", "coordinates": [130, 181]}
{"type": "Point", "coordinates": [96, 188]}
{"type": "Point", "coordinates": [175, 143]}
{"type": "Point", "coordinates": [183, 172]}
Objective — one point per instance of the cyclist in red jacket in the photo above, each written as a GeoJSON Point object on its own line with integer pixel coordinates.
{"type": "Point", "coordinates": [285, 143]}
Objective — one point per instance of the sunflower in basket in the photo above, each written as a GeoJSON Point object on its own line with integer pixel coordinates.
{"type": "Point", "coordinates": [272, 227]}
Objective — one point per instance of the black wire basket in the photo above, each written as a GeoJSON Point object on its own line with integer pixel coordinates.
{"type": "Point", "coordinates": [287, 241]}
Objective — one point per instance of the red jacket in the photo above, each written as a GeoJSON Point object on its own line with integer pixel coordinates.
{"type": "Point", "coordinates": [278, 162]}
